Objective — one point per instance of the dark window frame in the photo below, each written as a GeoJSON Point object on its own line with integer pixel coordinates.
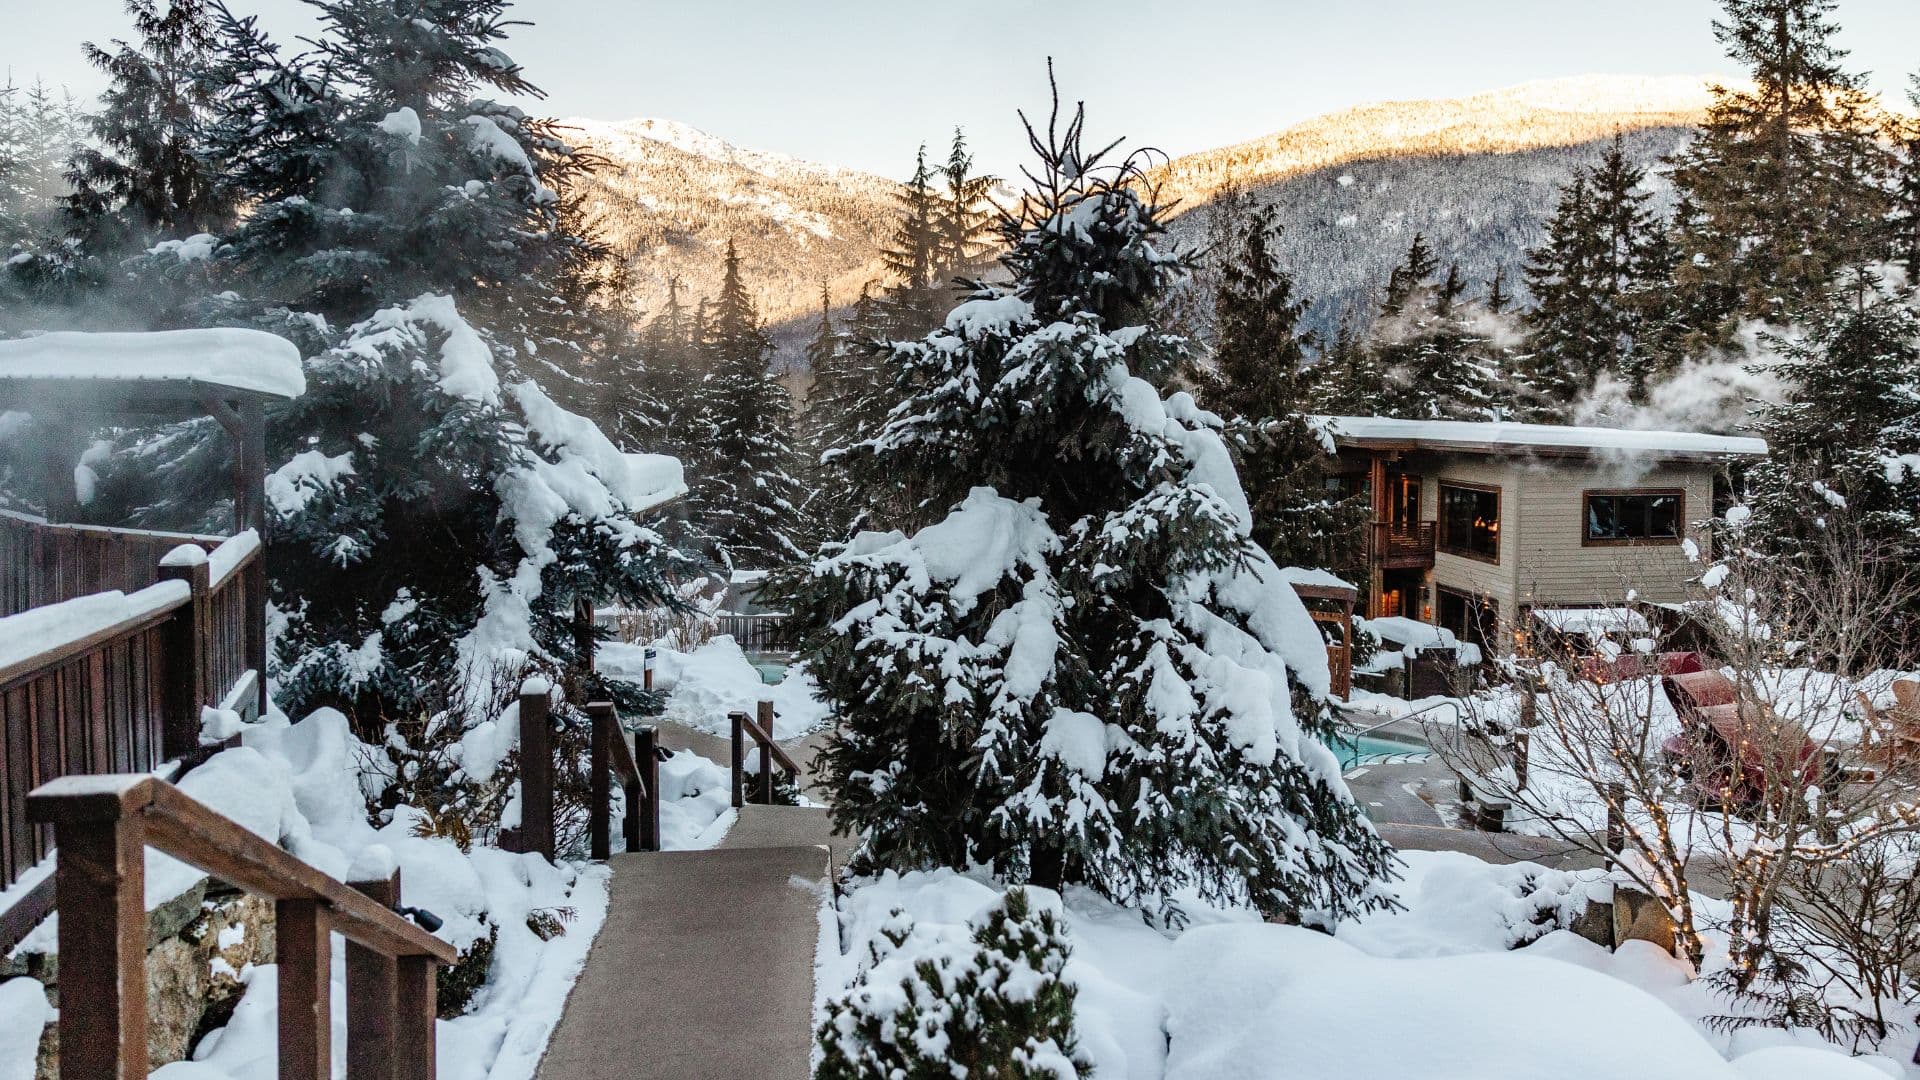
{"type": "Point", "coordinates": [1679, 496]}
{"type": "Point", "coordinates": [1440, 526]}
{"type": "Point", "coordinates": [1473, 602]}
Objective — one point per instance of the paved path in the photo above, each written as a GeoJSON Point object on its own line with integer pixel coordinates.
{"type": "Point", "coordinates": [704, 969]}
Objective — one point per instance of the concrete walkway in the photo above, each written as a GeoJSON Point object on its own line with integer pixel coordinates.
{"type": "Point", "coordinates": [704, 969]}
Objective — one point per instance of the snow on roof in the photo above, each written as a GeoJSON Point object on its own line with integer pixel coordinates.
{"type": "Point", "coordinates": [250, 360]}
{"type": "Point", "coordinates": [1592, 622]}
{"type": "Point", "coordinates": [1499, 436]}
{"type": "Point", "coordinates": [1318, 579]}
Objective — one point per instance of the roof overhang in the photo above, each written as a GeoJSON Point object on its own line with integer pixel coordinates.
{"type": "Point", "coordinates": [1511, 440]}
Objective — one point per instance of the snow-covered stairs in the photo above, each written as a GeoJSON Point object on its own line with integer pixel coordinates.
{"type": "Point", "coordinates": [704, 967]}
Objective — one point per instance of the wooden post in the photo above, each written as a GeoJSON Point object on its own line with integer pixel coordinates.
{"type": "Point", "coordinates": [183, 641]}
{"type": "Point", "coordinates": [599, 779]}
{"type": "Point", "coordinates": [536, 771]}
{"type": "Point", "coordinates": [253, 495]}
{"type": "Point", "coordinates": [1376, 531]}
{"type": "Point", "coordinates": [303, 953]}
{"type": "Point", "coordinates": [1520, 741]}
{"type": "Point", "coordinates": [766, 753]}
{"type": "Point", "coordinates": [373, 999]}
{"type": "Point", "coordinates": [413, 1057]}
{"type": "Point", "coordinates": [646, 672]}
{"type": "Point", "coordinates": [101, 875]}
{"type": "Point", "coordinates": [739, 757]}
{"type": "Point", "coordinates": [646, 754]}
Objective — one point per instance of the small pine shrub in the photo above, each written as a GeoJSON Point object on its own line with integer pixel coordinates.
{"type": "Point", "coordinates": [993, 1007]}
{"type": "Point", "coordinates": [456, 985]}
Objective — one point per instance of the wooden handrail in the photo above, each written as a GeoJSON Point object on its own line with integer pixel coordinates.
{"type": "Point", "coordinates": [156, 604]}
{"type": "Point", "coordinates": [103, 826]}
{"type": "Point", "coordinates": [770, 752]}
{"type": "Point", "coordinates": [639, 772]}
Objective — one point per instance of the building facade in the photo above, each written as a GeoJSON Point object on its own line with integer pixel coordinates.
{"type": "Point", "coordinates": [1473, 524]}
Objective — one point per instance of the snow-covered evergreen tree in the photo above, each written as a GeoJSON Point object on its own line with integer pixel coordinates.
{"type": "Point", "coordinates": [1906, 243]}
{"type": "Point", "coordinates": [1845, 439]}
{"type": "Point", "coordinates": [143, 176]}
{"type": "Point", "coordinates": [1591, 279]}
{"type": "Point", "coordinates": [1257, 380]}
{"type": "Point", "coordinates": [912, 254]}
{"type": "Point", "coordinates": [1080, 669]}
{"type": "Point", "coordinates": [966, 213]}
{"type": "Point", "coordinates": [1785, 186]}
{"type": "Point", "coordinates": [433, 509]}
{"type": "Point", "coordinates": [1432, 358]}
{"type": "Point", "coordinates": [746, 494]}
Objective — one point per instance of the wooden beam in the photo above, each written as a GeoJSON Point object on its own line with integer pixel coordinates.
{"type": "Point", "coordinates": [101, 883]}
{"type": "Point", "coordinates": [304, 956]}
{"type": "Point", "coordinates": [536, 776]}
{"type": "Point", "coordinates": [413, 1028]}
{"type": "Point", "coordinates": [373, 998]}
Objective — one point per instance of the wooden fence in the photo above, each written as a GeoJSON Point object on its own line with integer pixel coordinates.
{"type": "Point", "coordinates": [635, 766]}
{"type": "Point", "coordinates": [104, 824]}
{"type": "Point", "coordinates": [119, 684]}
{"type": "Point", "coordinates": [43, 564]}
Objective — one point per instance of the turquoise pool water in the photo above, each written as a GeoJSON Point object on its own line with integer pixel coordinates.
{"type": "Point", "coordinates": [772, 669]}
{"type": "Point", "coordinates": [1367, 749]}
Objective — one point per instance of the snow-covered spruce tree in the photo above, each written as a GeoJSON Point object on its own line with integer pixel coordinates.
{"type": "Point", "coordinates": [1257, 380]}
{"type": "Point", "coordinates": [1432, 357]}
{"type": "Point", "coordinates": [1591, 278]}
{"type": "Point", "coordinates": [1082, 670]}
{"type": "Point", "coordinates": [1845, 439]}
{"type": "Point", "coordinates": [912, 255]}
{"type": "Point", "coordinates": [1786, 185]}
{"type": "Point", "coordinates": [1906, 244]}
{"type": "Point", "coordinates": [432, 508]}
{"type": "Point", "coordinates": [993, 1006]}
{"type": "Point", "coordinates": [143, 177]}
{"type": "Point", "coordinates": [745, 493]}
{"type": "Point", "coordinates": [966, 212]}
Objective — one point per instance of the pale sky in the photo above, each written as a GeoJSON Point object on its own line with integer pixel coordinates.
{"type": "Point", "coordinates": [863, 82]}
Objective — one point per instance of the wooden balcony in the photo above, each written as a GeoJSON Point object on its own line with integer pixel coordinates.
{"type": "Point", "coordinates": [1402, 547]}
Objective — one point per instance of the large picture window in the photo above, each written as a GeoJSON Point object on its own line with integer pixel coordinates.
{"type": "Point", "coordinates": [1470, 521]}
{"type": "Point", "coordinates": [1633, 517]}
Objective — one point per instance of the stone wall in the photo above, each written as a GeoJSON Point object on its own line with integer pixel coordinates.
{"type": "Point", "coordinates": [197, 945]}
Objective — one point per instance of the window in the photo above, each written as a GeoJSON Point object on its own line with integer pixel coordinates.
{"type": "Point", "coordinates": [1470, 521]}
{"type": "Point", "coordinates": [1633, 517]}
{"type": "Point", "coordinates": [1471, 618]}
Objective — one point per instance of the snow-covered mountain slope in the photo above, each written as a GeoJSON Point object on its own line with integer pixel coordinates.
{"type": "Point", "coordinates": [1477, 175]}
{"type": "Point", "coordinates": [671, 196]}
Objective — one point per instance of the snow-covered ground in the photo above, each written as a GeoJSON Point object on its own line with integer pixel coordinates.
{"type": "Point", "coordinates": [1436, 991]}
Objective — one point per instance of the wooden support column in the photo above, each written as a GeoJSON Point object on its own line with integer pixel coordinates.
{"type": "Point", "coordinates": [1376, 539]}
{"type": "Point", "coordinates": [536, 774]}
{"type": "Point", "coordinates": [303, 954]}
{"type": "Point", "coordinates": [101, 877]}
{"type": "Point", "coordinates": [739, 757]}
{"type": "Point", "coordinates": [373, 1000]}
{"type": "Point", "coordinates": [600, 780]}
{"type": "Point", "coordinates": [766, 753]}
{"type": "Point", "coordinates": [188, 685]}
{"type": "Point", "coordinates": [413, 1029]}
{"type": "Point", "coordinates": [646, 753]}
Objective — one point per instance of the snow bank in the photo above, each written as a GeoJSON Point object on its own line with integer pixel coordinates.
{"type": "Point", "coordinates": [23, 1012]}
{"type": "Point", "coordinates": [1282, 1002]}
{"type": "Point", "coordinates": [240, 359]}
{"type": "Point", "coordinates": [717, 679]}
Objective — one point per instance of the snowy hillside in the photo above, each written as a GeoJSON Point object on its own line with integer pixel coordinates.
{"type": "Point", "coordinates": [673, 195]}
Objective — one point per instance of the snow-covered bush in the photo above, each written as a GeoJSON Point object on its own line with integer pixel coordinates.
{"type": "Point", "coordinates": [933, 1006]}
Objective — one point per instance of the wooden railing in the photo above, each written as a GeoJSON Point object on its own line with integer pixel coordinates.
{"type": "Point", "coordinates": [119, 687]}
{"type": "Point", "coordinates": [1403, 546]}
{"type": "Point", "coordinates": [43, 564]}
{"type": "Point", "coordinates": [763, 632]}
{"type": "Point", "coordinates": [770, 752]}
{"type": "Point", "coordinates": [638, 767]}
{"type": "Point", "coordinates": [103, 826]}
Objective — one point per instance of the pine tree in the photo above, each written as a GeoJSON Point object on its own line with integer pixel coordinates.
{"type": "Point", "coordinates": [1592, 279]}
{"type": "Point", "coordinates": [1906, 246]}
{"type": "Point", "coordinates": [912, 255]}
{"type": "Point", "coordinates": [13, 169]}
{"type": "Point", "coordinates": [436, 514]}
{"type": "Point", "coordinates": [1430, 359]}
{"type": "Point", "coordinates": [966, 214]}
{"type": "Point", "coordinates": [1025, 685]}
{"type": "Point", "coordinates": [745, 492]}
{"type": "Point", "coordinates": [1785, 185]}
{"type": "Point", "coordinates": [1258, 381]}
{"type": "Point", "coordinates": [1845, 439]}
{"type": "Point", "coordinates": [144, 176]}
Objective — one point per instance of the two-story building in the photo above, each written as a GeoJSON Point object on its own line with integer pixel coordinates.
{"type": "Point", "coordinates": [1473, 524]}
